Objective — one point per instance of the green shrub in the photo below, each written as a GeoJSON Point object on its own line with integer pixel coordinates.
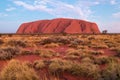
{"type": "Point", "coordinates": [17, 71]}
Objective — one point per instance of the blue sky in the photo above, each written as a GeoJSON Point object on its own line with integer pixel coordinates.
{"type": "Point", "coordinates": [106, 13]}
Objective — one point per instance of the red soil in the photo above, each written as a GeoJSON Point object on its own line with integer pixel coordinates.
{"type": "Point", "coordinates": [61, 50]}
{"type": "Point", "coordinates": [71, 77]}
{"type": "Point", "coordinates": [59, 25]}
{"type": "Point", "coordinates": [30, 58]}
{"type": "Point", "coordinates": [108, 52]}
{"type": "Point", "coordinates": [2, 64]}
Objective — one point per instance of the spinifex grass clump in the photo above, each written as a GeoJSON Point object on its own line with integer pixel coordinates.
{"type": "Point", "coordinates": [18, 71]}
{"type": "Point", "coordinates": [49, 40]}
{"type": "Point", "coordinates": [19, 43]}
{"type": "Point", "coordinates": [73, 53]}
{"type": "Point", "coordinates": [26, 52]}
{"type": "Point", "coordinates": [51, 45]}
{"type": "Point", "coordinates": [39, 64]}
{"type": "Point", "coordinates": [85, 69]}
{"type": "Point", "coordinates": [58, 66]}
{"type": "Point", "coordinates": [46, 53]}
{"type": "Point", "coordinates": [111, 72]}
{"type": "Point", "coordinates": [8, 52]}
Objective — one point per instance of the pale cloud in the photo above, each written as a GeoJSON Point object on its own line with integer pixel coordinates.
{"type": "Point", "coordinates": [3, 14]}
{"type": "Point", "coordinates": [80, 9]}
{"type": "Point", "coordinates": [113, 2]}
{"type": "Point", "coordinates": [116, 15]}
{"type": "Point", "coordinates": [27, 6]}
{"type": "Point", "coordinates": [10, 9]}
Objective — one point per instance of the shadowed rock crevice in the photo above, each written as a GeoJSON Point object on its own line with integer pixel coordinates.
{"type": "Point", "coordinates": [59, 25]}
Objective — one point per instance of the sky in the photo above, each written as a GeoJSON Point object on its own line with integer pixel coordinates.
{"type": "Point", "coordinates": [106, 13]}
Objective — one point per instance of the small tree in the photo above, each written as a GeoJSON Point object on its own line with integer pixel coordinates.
{"type": "Point", "coordinates": [104, 31]}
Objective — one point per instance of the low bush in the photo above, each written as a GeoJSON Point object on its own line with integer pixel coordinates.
{"type": "Point", "coordinates": [99, 46]}
{"type": "Point", "coordinates": [111, 44]}
{"type": "Point", "coordinates": [62, 40]}
{"type": "Point", "coordinates": [85, 70]}
{"type": "Point", "coordinates": [5, 55]}
{"type": "Point", "coordinates": [26, 52]}
{"type": "Point", "coordinates": [91, 38]}
{"type": "Point", "coordinates": [51, 45]}
{"type": "Point", "coordinates": [19, 43]}
{"type": "Point", "coordinates": [8, 52]}
{"type": "Point", "coordinates": [39, 64]}
{"type": "Point", "coordinates": [101, 60]}
{"type": "Point", "coordinates": [18, 71]}
{"type": "Point", "coordinates": [12, 50]}
{"type": "Point", "coordinates": [58, 66]}
{"type": "Point", "coordinates": [84, 55]}
{"type": "Point", "coordinates": [111, 72]}
{"type": "Point", "coordinates": [75, 43]}
{"type": "Point", "coordinates": [47, 53]}
{"type": "Point", "coordinates": [54, 40]}
{"type": "Point", "coordinates": [87, 60]}
{"type": "Point", "coordinates": [73, 53]}
{"type": "Point", "coordinates": [96, 52]}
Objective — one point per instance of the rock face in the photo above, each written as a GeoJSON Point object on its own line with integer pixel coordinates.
{"type": "Point", "coordinates": [59, 25]}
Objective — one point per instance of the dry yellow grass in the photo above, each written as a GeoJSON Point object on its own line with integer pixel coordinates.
{"type": "Point", "coordinates": [18, 71]}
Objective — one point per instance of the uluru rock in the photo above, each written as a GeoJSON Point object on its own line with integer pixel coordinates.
{"type": "Point", "coordinates": [59, 25]}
